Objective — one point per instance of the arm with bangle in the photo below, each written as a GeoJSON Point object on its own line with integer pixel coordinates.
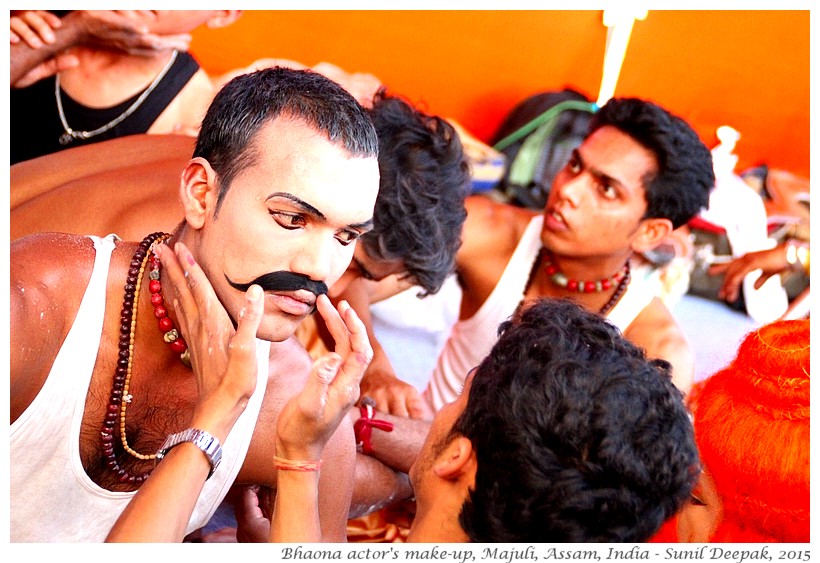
{"type": "Point", "coordinates": [791, 255]}
{"type": "Point", "coordinates": [379, 447]}
{"type": "Point", "coordinates": [393, 440]}
{"type": "Point", "coordinates": [308, 420]}
{"type": "Point", "coordinates": [295, 504]}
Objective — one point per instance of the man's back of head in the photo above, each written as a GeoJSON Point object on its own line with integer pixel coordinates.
{"type": "Point", "coordinates": [685, 176]}
{"type": "Point", "coordinates": [424, 179]}
{"type": "Point", "coordinates": [578, 437]}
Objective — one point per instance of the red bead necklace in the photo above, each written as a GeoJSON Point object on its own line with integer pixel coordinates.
{"type": "Point", "coordinates": [119, 398]}
{"type": "Point", "coordinates": [170, 334]}
{"type": "Point", "coordinates": [557, 277]}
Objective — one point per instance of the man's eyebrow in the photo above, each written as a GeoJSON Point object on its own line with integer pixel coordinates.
{"type": "Point", "coordinates": [576, 154]}
{"type": "Point", "coordinates": [299, 202]}
{"type": "Point", "coordinates": [363, 226]}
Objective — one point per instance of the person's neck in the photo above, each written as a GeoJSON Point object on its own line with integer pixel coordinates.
{"type": "Point", "coordinates": [437, 527]}
{"type": "Point", "coordinates": [105, 78]}
{"type": "Point", "coordinates": [590, 268]}
{"type": "Point", "coordinates": [596, 283]}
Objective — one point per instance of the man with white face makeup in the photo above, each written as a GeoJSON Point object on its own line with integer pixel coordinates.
{"type": "Point", "coordinates": [282, 183]}
{"type": "Point", "coordinates": [417, 219]}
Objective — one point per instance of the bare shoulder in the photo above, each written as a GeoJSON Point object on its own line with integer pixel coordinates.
{"type": "Point", "coordinates": [51, 264]}
{"type": "Point", "coordinates": [48, 276]}
{"type": "Point", "coordinates": [655, 322]}
{"type": "Point", "coordinates": [38, 176]}
{"type": "Point", "coordinates": [491, 227]}
{"type": "Point", "coordinates": [483, 211]}
{"type": "Point", "coordinates": [188, 107]}
{"type": "Point", "coordinates": [659, 334]}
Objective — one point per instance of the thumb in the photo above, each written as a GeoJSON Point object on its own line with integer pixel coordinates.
{"type": "Point", "coordinates": [250, 316]}
{"type": "Point", "coordinates": [323, 372]}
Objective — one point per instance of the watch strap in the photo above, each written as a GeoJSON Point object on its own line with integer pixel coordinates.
{"type": "Point", "coordinates": [203, 440]}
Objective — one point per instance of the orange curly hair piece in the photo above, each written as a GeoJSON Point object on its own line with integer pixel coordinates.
{"type": "Point", "coordinates": [752, 429]}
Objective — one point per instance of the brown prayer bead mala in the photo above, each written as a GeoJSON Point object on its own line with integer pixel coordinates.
{"type": "Point", "coordinates": [119, 398]}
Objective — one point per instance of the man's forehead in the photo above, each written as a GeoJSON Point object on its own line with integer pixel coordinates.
{"type": "Point", "coordinates": [287, 132]}
{"type": "Point", "coordinates": [616, 154]}
{"type": "Point", "coordinates": [291, 157]}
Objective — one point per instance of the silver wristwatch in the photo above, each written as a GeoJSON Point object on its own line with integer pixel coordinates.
{"type": "Point", "coordinates": [209, 445]}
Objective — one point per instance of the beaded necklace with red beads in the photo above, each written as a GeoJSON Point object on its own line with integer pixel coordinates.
{"type": "Point", "coordinates": [119, 398]}
{"type": "Point", "coordinates": [621, 278]}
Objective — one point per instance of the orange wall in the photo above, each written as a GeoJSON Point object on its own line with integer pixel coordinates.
{"type": "Point", "coordinates": [747, 69]}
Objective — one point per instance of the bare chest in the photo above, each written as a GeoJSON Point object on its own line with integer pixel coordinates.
{"type": "Point", "coordinates": [118, 443]}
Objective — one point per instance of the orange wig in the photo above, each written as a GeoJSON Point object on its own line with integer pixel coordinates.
{"type": "Point", "coordinates": [752, 428]}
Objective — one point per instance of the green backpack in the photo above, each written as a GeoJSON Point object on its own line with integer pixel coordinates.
{"type": "Point", "coordinates": [537, 138]}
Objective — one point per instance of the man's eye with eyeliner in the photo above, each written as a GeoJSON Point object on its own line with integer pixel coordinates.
{"type": "Point", "coordinates": [346, 237]}
{"type": "Point", "coordinates": [290, 221]}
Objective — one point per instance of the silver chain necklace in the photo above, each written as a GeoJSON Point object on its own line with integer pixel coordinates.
{"type": "Point", "coordinates": [70, 134]}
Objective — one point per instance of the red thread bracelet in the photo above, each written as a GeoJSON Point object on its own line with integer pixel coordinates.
{"type": "Point", "coordinates": [363, 427]}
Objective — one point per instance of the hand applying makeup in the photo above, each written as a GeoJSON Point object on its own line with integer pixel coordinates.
{"type": "Point", "coordinates": [224, 363]}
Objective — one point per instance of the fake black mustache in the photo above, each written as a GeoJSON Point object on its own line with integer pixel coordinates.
{"type": "Point", "coordinates": [282, 281]}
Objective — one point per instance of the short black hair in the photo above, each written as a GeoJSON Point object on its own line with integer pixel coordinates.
{"type": "Point", "coordinates": [247, 102]}
{"type": "Point", "coordinates": [578, 436]}
{"type": "Point", "coordinates": [419, 211]}
{"type": "Point", "coordinates": [680, 189]}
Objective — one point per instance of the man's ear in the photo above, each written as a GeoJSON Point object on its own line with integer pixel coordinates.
{"type": "Point", "coordinates": [223, 18]}
{"type": "Point", "coordinates": [457, 460]}
{"type": "Point", "coordinates": [651, 233]}
{"type": "Point", "coordinates": [198, 191]}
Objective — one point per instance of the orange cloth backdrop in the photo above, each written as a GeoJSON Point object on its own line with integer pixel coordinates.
{"type": "Point", "coordinates": [747, 69]}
